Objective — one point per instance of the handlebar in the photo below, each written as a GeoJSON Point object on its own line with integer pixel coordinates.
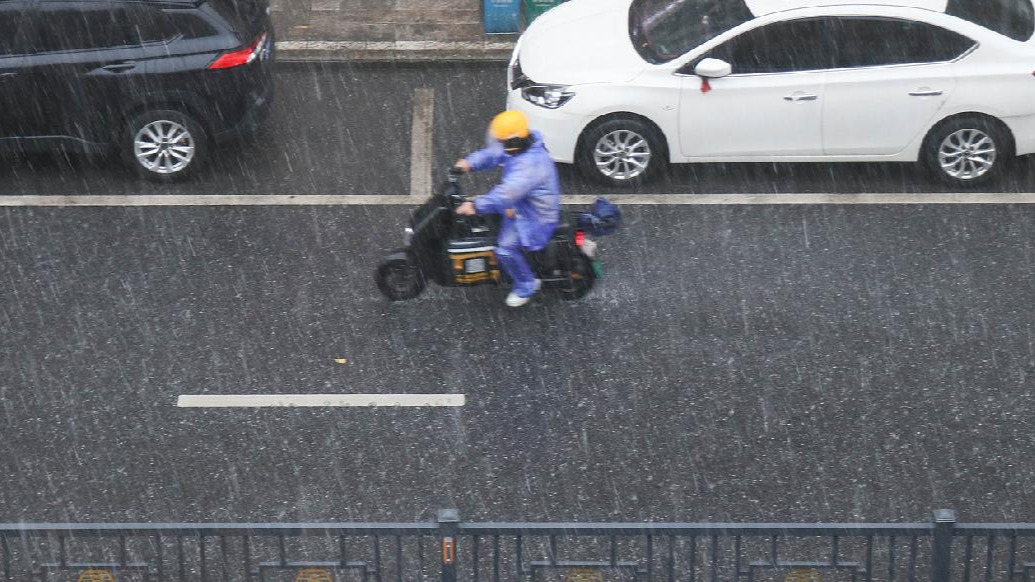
{"type": "Point", "coordinates": [454, 174]}
{"type": "Point", "coordinates": [455, 196]}
{"type": "Point", "coordinates": [452, 192]}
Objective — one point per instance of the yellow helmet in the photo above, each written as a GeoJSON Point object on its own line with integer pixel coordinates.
{"type": "Point", "coordinates": [510, 128]}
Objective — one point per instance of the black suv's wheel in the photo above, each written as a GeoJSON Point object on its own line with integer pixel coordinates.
{"type": "Point", "coordinates": [967, 152]}
{"type": "Point", "coordinates": [164, 145]}
{"type": "Point", "coordinates": [621, 152]}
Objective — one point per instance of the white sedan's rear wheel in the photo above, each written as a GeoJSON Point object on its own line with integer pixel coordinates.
{"type": "Point", "coordinates": [967, 152]}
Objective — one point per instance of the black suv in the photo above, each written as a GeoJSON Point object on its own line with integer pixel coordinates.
{"type": "Point", "coordinates": [159, 81]}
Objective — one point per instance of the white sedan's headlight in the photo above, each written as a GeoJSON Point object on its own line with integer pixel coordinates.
{"type": "Point", "coordinates": [548, 96]}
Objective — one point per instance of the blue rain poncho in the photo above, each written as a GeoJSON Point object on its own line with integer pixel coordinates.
{"type": "Point", "coordinates": [530, 187]}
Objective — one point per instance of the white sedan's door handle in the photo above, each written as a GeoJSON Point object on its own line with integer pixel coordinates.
{"type": "Point", "coordinates": [799, 96]}
{"type": "Point", "coordinates": [925, 93]}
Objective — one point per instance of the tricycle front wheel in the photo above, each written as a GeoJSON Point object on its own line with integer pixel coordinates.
{"type": "Point", "coordinates": [399, 278]}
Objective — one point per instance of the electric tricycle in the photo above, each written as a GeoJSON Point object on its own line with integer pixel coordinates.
{"type": "Point", "coordinates": [458, 251]}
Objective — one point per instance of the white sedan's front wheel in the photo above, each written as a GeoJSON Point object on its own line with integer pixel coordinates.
{"type": "Point", "coordinates": [621, 152]}
{"type": "Point", "coordinates": [968, 151]}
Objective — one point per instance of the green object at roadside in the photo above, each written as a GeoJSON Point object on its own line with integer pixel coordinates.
{"type": "Point", "coordinates": [534, 8]}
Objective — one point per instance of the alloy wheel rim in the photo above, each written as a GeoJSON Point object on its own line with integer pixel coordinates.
{"type": "Point", "coordinates": [967, 154]}
{"type": "Point", "coordinates": [164, 147]}
{"type": "Point", "coordinates": [622, 155]}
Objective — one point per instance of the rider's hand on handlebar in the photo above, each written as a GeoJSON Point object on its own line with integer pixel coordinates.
{"type": "Point", "coordinates": [462, 165]}
{"type": "Point", "coordinates": [466, 209]}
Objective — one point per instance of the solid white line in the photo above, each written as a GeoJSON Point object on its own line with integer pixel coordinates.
{"type": "Point", "coordinates": [396, 45]}
{"type": "Point", "coordinates": [203, 200]}
{"type": "Point", "coordinates": [317, 400]}
{"type": "Point", "coordinates": [421, 143]}
{"type": "Point", "coordinates": [625, 199]}
{"type": "Point", "coordinates": [805, 199]}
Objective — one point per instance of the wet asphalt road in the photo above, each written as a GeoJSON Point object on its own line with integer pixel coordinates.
{"type": "Point", "coordinates": [345, 129]}
{"type": "Point", "coordinates": [737, 363]}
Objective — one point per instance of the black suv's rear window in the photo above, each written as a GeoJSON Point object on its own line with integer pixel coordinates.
{"type": "Point", "coordinates": [1012, 18]}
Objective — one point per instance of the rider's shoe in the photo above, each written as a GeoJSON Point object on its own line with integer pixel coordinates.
{"type": "Point", "coordinates": [515, 300]}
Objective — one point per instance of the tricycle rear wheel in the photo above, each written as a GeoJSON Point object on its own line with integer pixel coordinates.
{"type": "Point", "coordinates": [582, 277]}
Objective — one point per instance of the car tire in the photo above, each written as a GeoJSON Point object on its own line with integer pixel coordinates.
{"type": "Point", "coordinates": [967, 152]}
{"type": "Point", "coordinates": [612, 152]}
{"type": "Point", "coordinates": [164, 145]}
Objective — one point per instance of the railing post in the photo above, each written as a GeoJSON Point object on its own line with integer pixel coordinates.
{"type": "Point", "coordinates": [448, 526]}
{"type": "Point", "coordinates": [941, 545]}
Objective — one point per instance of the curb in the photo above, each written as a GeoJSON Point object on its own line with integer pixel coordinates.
{"type": "Point", "coordinates": [395, 51]}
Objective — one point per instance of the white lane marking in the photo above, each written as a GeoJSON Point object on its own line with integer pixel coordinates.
{"type": "Point", "coordinates": [317, 400]}
{"type": "Point", "coordinates": [421, 143]}
{"type": "Point", "coordinates": [625, 199]}
{"type": "Point", "coordinates": [396, 45]}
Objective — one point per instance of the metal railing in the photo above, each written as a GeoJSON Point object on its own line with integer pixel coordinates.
{"type": "Point", "coordinates": [451, 551]}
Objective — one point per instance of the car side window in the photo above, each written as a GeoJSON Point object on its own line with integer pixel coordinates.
{"type": "Point", "coordinates": [77, 26]}
{"type": "Point", "coordinates": [875, 42]}
{"type": "Point", "coordinates": [1007, 17]}
{"type": "Point", "coordinates": [780, 47]}
{"type": "Point", "coordinates": [14, 28]}
{"type": "Point", "coordinates": [71, 26]}
{"type": "Point", "coordinates": [148, 24]}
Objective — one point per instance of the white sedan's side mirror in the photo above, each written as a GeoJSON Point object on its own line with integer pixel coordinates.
{"type": "Point", "coordinates": [712, 69]}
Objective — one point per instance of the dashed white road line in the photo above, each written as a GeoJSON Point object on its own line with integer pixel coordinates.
{"type": "Point", "coordinates": [421, 144]}
{"type": "Point", "coordinates": [624, 199]}
{"type": "Point", "coordinates": [318, 400]}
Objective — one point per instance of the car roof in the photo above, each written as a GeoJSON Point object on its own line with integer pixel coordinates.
{"type": "Point", "coordinates": [763, 7]}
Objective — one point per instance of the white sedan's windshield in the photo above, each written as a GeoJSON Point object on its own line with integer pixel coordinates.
{"type": "Point", "coordinates": [662, 30]}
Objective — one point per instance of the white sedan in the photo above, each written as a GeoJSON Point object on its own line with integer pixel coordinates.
{"type": "Point", "coordinates": [623, 87]}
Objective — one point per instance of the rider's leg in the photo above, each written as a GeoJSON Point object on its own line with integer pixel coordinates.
{"type": "Point", "coordinates": [512, 259]}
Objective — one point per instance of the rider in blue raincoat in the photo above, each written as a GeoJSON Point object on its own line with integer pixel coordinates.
{"type": "Point", "coordinates": [528, 197]}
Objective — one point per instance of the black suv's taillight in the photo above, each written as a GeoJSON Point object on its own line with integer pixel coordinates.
{"type": "Point", "coordinates": [239, 57]}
